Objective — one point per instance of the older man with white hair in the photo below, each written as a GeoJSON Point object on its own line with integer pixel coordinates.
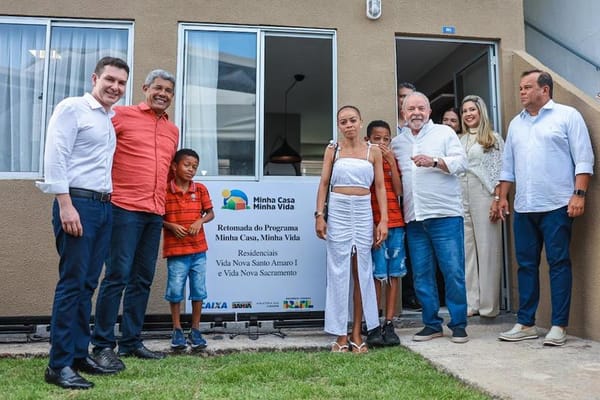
{"type": "Point", "coordinates": [430, 157]}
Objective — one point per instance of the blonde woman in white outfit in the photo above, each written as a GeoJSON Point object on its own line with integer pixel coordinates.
{"type": "Point", "coordinates": [351, 168]}
{"type": "Point", "coordinates": [483, 234]}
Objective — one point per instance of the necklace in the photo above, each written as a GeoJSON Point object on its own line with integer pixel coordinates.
{"type": "Point", "coordinates": [469, 144]}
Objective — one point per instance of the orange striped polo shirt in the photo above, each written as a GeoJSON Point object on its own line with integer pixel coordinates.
{"type": "Point", "coordinates": [395, 218]}
{"type": "Point", "coordinates": [184, 209]}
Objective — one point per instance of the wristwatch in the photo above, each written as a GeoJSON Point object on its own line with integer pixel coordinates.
{"type": "Point", "coordinates": [318, 214]}
{"type": "Point", "coordinates": [435, 162]}
{"type": "Point", "coordinates": [579, 192]}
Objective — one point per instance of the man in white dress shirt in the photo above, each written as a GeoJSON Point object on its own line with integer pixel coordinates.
{"type": "Point", "coordinates": [548, 155]}
{"type": "Point", "coordinates": [80, 144]}
{"type": "Point", "coordinates": [430, 157]}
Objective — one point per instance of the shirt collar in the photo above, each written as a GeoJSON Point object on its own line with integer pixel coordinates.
{"type": "Point", "coordinates": [175, 189]}
{"type": "Point", "coordinates": [145, 107]}
{"type": "Point", "coordinates": [548, 106]}
{"type": "Point", "coordinates": [95, 104]}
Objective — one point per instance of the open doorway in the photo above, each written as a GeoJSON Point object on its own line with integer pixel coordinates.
{"type": "Point", "coordinates": [298, 102]}
{"type": "Point", "coordinates": [446, 71]}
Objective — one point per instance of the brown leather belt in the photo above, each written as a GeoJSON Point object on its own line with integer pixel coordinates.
{"type": "Point", "coordinates": [90, 194]}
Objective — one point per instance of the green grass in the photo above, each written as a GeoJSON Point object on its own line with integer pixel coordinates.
{"type": "Point", "coordinates": [391, 373]}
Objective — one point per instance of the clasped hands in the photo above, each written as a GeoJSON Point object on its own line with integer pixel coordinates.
{"type": "Point", "coordinates": [180, 231]}
{"type": "Point", "coordinates": [498, 210]}
{"type": "Point", "coordinates": [422, 160]}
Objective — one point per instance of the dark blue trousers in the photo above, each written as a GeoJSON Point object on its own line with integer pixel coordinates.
{"type": "Point", "coordinates": [81, 260]}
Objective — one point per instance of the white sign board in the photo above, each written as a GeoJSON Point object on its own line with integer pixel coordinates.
{"type": "Point", "coordinates": [263, 253]}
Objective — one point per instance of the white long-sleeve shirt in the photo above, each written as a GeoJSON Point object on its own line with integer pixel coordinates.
{"type": "Point", "coordinates": [543, 154]}
{"type": "Point", "coordinates": [80, 144]}
{"type": "Point", "coordinates": [430, 192]}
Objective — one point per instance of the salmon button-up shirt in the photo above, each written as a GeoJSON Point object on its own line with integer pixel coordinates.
{"type": "Point", "coordinates": [146, 144]}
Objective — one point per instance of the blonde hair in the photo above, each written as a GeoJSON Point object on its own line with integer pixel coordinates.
{"type": "Point", "coordinates": [485, 134]}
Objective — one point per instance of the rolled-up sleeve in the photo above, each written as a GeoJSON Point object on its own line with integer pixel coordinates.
{"type": "Point", "coordinates": [580, 144]}
{"type": "Point", "coordinates": [455, 158]}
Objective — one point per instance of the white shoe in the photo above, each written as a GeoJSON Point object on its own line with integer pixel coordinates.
{"type": "Point", "coordinates": [556, 336]}
{"type": "Point", "coordinates": [518, 333]}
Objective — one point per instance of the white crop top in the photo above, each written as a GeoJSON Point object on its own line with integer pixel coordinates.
{"type": "Point", "coordinates": [349, 171]}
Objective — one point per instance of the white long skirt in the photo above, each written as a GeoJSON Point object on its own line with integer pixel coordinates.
{"type": "Point", "coordinates": [349, 225]}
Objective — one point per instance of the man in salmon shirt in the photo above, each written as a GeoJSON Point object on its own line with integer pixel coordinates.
{"type": "Point", "coordinates": [146, 144]}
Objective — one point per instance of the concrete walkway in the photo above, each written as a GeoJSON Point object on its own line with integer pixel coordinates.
{"type": "Point", "coordinates": [522, 370]}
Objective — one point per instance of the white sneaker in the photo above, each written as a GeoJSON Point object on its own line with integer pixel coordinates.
{"type": "Point", "coordinates": [518, 333]}
{"type": "Point", "coordinates": [556, 336]}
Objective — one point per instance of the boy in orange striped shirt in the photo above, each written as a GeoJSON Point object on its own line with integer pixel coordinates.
{"type": "Point", "coordinates": [188, 207]}
{"type": "Point", "coordinates": [388, 259]}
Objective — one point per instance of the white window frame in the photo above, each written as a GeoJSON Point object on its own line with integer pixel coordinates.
{"type": "Point", "coordinates": [49, 23]}
{"type": "Point", "coordinates": [261, 32]}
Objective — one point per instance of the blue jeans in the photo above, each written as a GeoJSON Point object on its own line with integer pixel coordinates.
{"type": "Point", "coordinates": [389, 258]}
{"type": "Point", "coordinates": [551, 229]}
{"type": "Point", "coordinates": [80, 265]}
{"type": "Point", "coordinates": [179, 268]}
{"type": "Point", "coordinates": [130, 266]}
{"type": "Point", "coordinates": [440, 239]}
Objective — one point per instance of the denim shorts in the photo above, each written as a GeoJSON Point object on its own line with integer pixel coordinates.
{"type": "Point", "coordinates": [389, 260]}
{"type": "Point", "coordinates": [179, 268]}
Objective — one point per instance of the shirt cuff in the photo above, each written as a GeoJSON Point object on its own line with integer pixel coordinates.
{"type": "Point", "coordinates": [53, 187]}
{"type": "Point", "coordinates": [584, 168]}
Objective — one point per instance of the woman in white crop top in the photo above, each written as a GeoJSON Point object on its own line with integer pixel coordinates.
{"type": "Point", "coordinates": [353, 166]}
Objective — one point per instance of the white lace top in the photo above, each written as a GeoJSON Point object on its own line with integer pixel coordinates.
{"type": "Point", "coordinates": [484, 165]}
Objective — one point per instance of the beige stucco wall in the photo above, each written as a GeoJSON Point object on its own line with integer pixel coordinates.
{"type": "Point", "coordinates": [366, 77]}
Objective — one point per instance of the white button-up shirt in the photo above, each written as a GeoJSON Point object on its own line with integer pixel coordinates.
{"type": "Point", "coordinates": [543, 154]}
{"type": "Point", "coordinates": [430, 192]}
{"type": "Point", "coordinates": [80, 144]}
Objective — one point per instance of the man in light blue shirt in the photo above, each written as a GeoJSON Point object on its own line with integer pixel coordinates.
{"type": "Point", "coordinates": [80, 144]}
{"type": "Point", "coordinates": [549, 156]}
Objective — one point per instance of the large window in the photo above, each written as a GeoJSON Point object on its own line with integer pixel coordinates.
{"type": "Point", "coordinates": [42, 62]}
{"type": "Point", "coordinates": [249, 93]}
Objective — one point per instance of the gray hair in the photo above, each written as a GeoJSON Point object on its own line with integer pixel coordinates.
{"type": "Point", "coordinates": [159, 73]}
{"type": "Point", "coordinates": [416, 94]}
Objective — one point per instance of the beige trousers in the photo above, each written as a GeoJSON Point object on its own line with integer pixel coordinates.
{"type": "Point", "coordinates": [483, 249]}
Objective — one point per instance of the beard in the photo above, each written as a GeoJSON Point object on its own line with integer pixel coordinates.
{"type": "Point", "coordinates": [416, 124]}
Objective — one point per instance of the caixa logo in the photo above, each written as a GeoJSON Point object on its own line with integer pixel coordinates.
{"type": "Point", "coordinates": [215, 305]}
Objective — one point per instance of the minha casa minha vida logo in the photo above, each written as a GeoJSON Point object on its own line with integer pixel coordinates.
{"type": "Point", "coordinates": [236, 199]}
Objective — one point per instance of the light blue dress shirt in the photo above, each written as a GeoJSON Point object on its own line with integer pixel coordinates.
{"type": "Point", "coordinates": [80, 144]}
{"type": "Point", "coordinates": [542, 155]}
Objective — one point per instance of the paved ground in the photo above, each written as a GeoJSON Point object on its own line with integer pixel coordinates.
{"type": "Point", "coordinates": [525, 370]}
